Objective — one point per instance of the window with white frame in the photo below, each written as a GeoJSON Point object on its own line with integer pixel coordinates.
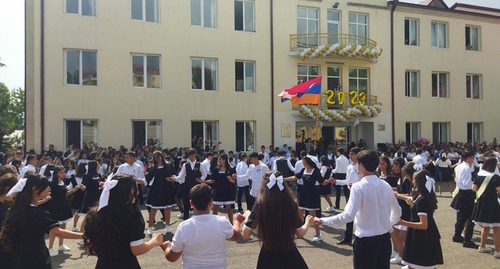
{"type": "Point", "coordinates": [412, 131]}
{"type": "Point", "coordinates": [411, 84]}
{"type": "Point", "coordinates": [245, 135]}
{"type": "Point", "coordinates": [441, 132]}
{"type": "Point", "coordinates": [81, 7]}
{"type": "Point", "coordinates": [358, 28]}
{"type": "Point", "coordinates": [145, 10]}
{"type": "Point", "coordinates": [146, 71]}
{"type": "Point", "coordinates": [245, 76]}
{"type": "Point", "coordinates": [244, 15]}
{"type": "Point", "coordinates": [146, 132]}
{"type": "Point", "coordinates": [333, 26]}
{"type": "Point", "coordinates": [307, 25]}
{"type": "Point", "coordinates": [307, 72]}
{"type": "Point", "coordinates": [204, 74]}
{"type": "Point", "coordinates": [472, 38]}
{"type": "Point", "coordinates": [80, 67]}
{"type": "Point", "coordinates": [79, 132]}
{"type": "Point", "coordinates": [333, 82]}
{"type": "Point", "coordinates": [473, 86]}
{"type": "Point", "coordinates": [358, 80]}
{"type": "Point", "coordinates": [205, 135]}
{"type": "Point", "coordinates": [440, 85]}
{"type": "Point", "coordinates": [411, 32]}
{"type": "Point", "coordinates": [474, 132]}
{"type": "Point", "coordinates": [439, 35]}
{"type": "Point", "coordinates": [204, 13]}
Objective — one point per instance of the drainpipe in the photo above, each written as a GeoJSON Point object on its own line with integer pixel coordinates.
{"type": "Point", "coordinates": [42, 76]}
{"type": "Point", "coordinates": [393, 8]}
{"type": "Point", "coordinates": [24, 146]}
{"type": "Point", "coordinates": [272, 73]}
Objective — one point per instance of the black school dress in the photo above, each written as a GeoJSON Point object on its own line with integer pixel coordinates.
{"type": "Point", "coordinates": [76, 203]}
{"type": "Point", "coordinates": [277, 259]}
{"type": "Point", "coordinates": [309, 197]}
{"type": "Point", "coordinates": [161, 193]}
{"type": "Point", "coordinates": [422, 247]}
{"type": "Point", "coordinates": [131, 231]}
{"type": "Point", "coordinates": [31, 252]}
{"type": "Point", "coordinates": [225, 191]}
{"type": "Point", "coordinates": [405, 187]}
{"type": "Point", "coordinates": [92, 194]}
{"type": "Point", "coordinates": [327, 189]}
{"type": "Point", "coordinates": [58, 206]}
{"type": "Point", "coordinates": [486, 211]}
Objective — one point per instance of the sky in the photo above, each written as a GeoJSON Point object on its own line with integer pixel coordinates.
{"type": "Point", "coordinates": [12, 37]}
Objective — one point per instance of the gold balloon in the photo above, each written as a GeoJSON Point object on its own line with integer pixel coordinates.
{"type": "Point", "coordinates": [302, 58]}
{"type": "Point", "coordinates": [348, 117]}
{"type": "Point", "coordinates": [301, 50]}
{"type": "Point", "coordinates": [365, 114]}
{"type": "Point", "coordinates": [381, 50]}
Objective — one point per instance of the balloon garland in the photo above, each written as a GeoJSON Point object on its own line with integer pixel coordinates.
{"type": "Point", "coordinates": [341, 115]}
{"type": "Point", "coordinates": [340, 50]}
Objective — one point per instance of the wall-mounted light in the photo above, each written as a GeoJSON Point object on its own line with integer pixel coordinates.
{"type": "Point", "coordinates": [336, 5]}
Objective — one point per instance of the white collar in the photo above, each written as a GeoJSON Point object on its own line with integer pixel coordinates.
{"type": "Point", "coordinates": [484, 173]}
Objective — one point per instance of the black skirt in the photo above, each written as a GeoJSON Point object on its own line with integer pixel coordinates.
{"type": "Point", "coordinates": [225, 191]}
{"type": "Point", "coordinates": [161, 193]}
{"type": "Point", "coordinates": [445, 174]}
{"type": "Point", "coordinates": [281, 260]}
{"type": "Point", "coordinates": [487, 209]}
{"type": "Point", "coordinates": [325, 189]}
{"type": "Point", "coordinates": [309, 198]}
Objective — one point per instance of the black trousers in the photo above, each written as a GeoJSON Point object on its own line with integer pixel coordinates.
{"type": "Point", "coordinates": [250, 202]}
{"type": "Point", "coordinates": [372, 252]}
{"type": "Point", "coordinates": [141, 196]}
{"type": "Point", "coordinates": [338, 190]}
{"type": "Point", "coordinates": [348, 231]}
{"type": "Point", "coordinates": [246, 191]}
{"type": "Point", "coordinates": [466, 205]}
{"type": "Point", "coordinates": [187, 206]}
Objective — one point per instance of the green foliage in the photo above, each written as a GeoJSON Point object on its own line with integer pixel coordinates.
{"type": "Point", "coordinates": [17, 107]}
{"type": "Point", "coordinates": [11, 115]}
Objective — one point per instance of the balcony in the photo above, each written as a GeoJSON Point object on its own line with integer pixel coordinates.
{"type": "Point", "coordinates": [308, 46]}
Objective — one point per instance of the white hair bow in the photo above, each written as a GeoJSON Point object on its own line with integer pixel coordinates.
{"type": "Point", "coordinates": [429, 185]}
{"type": "Point", "coordinates": [418, 167]}
{"type": "Point", "coordinates": [104, 199]}
{"type": "Point", "coordinates": [17, 188]}
{"type": "Point", "coordinates": [273, 180]}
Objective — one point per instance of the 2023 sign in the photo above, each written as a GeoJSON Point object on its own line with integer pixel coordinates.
{"type": "Point", "coordinates": [354, 98]}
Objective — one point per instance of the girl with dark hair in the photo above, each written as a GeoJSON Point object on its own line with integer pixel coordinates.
{"type": "Point", "coordinates": [326, 190]}
{"type": "Point", "coordinates": [70, 172]}
{"type": "Point", "coordinates": [91, 186]}
{"type": "Point", "coordinates": [7, 181]}
{"type": "Point", "coordinates": [76, 203]}
{"type": "Point", "coordinates": [49, 170]}
{"type": "Point", "coordinates": [309, 198]}
{"type": "Point", "coordinates": [275, 219]}
{"type": "Point", "coordinates": [422, 245]}
{"type": "Point", "coordinates": [161, 192]}
{"type": "Point", "coordinates": [445, 173]}
{"type": "Point", "coordinates": [58, 207]}
{"type": "Point", "coordinates": [117, 222]}
{"type": "Point", "coordinates": [23, 234]}
{"type": "Point", "coordinates": [384, 167]}
{"type": "Point", "coordinates": [225, 178]}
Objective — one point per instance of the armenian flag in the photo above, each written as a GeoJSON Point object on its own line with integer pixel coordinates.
{"type": "Point", "coordinates": [304, 93]}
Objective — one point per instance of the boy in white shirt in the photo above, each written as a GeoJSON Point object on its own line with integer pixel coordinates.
{"type": "Point", "coordinates": [192, 236]}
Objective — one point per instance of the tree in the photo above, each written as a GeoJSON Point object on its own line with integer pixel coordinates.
{"type": "Point", "coordinates": [7, 125]}
{"type": "Point", "coordinates": [17, 107]}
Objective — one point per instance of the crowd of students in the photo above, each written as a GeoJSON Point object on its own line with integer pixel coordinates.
{"type": "Point", "coordinates": [390, 196]}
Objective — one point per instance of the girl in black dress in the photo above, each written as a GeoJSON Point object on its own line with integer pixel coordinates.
{"type": "Point", "coordinates": [422, 246]}
{"type": "Point", "coordinates": [8, 178]}
{"type": "Point", "coordinates": [117, 222]}
{"type": "Point", "coordinates": [326, 190]}
{"type": "Point", "coordinates": [76, 203]}
{"type": "Point", "coordinates": [225, 190]}
{"type": "Point", "coordinates": [23, 234]}
{"type": "Point", "coordinates": [161, 193]}
{"type": "Point", "coordinates": [92, 186]}
{"type": "Point", "coordinates": [70, 172]}
{"type": "Point", "coordinates": [58, 207]}
{"type": "Point", "coordinates": [275, 218]}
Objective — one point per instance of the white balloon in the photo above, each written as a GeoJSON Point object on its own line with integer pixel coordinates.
{"type": "Point", "coordinates": [313, 55]}
{"type": "Point", "coordinates": [302, 54]}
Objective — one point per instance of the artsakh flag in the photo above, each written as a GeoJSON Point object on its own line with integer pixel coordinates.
{"type": "Point", "coordinates": [304, 93]}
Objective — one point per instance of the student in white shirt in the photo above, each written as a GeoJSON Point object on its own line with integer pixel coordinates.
{"type": "Point", "coordinates": [132, 168]}
{"type": "Point", "coordinates": [266, 155]}
{"type": "Point", "coordinates": [201, 240]}
{"type": "Point", "coordinates": [31, 161]}
{"type": "Point", "coordinates": [340, 172]}
{"type": "Point", "coordinates": [255, 172]}
{"type": "Point", "coordinates": [283, 165]}
{"type": "Point", "coordinates": [48, 161]}
{"type": "Point", "coordinates": [374, 209]}
{"type": "Point", "coordinates": [243, 185]}
{"type": "Point", "coordinates": [206, 165]}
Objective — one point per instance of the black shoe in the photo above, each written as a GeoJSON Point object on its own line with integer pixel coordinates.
{"type": "Point", "coordinates": [469, 244]}
{"type": "Point", "coordinates": [458, 239]}
{"type": "Point", "coordinates": [344, 242]}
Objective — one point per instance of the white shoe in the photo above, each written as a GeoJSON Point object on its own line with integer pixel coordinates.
{"type": "Point", "coordinates": [168, 230]}
{"type": "Point", "coordinates": [496, 255]}
{"type": "Point", "coordinates": [180, 216]}
{"type": "Point", "coordinates": [53, 252]}
{"type": "Point", "coordinates": [63, 247]}
{"type": "Point", "coordinates": [150, 231]}
{"type": "Point", "coordinates": [393, 254]}
{"type": "Point", "coordinates": [74, 229]}
{"type": "Point", "coordinates": [472, 238]}
{"type": "Point", "coordinates": [191, 212]}
{"type": "Point", "coordinates": [80, 242]}
{"type": "Point", "coordinates": [330, 208]}
{"type": "Point", "coordinates": [396, 260]}
{"type": "Point", "coordinates": [484, 250]}
{"type": "Point", "coordinates": [404, 267]}
{"type": "Point", "coordinates": [317, 238]}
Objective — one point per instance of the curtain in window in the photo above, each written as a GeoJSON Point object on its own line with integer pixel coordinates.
{"type": "Point", "coordinates": [474, 38]}
{"type": "Point", "coordinates": [442, 35]}
{"type": "Point", "coordinates": [434, 35]}
{"type": "Point", "coordinates": [209, 13]}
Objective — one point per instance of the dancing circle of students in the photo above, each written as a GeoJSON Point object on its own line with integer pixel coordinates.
{"type": "Point", "coordinates": [389, 197]}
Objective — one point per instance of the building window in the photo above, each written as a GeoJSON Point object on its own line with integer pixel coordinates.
{"type": "Point", "coordinates": [146, 133]}
{"type": "Point", "coordinates": [149, 65]}
{"type": "Point", "coordinates": [81, 7]}
{"type": "Point", "coordinates": [412, 131]}
{"type": "Point", "coordinates": [81, 67]}
{"type": "Point", "coordinates": [203, 13]}
{"type": "Point", "coordinates": [308, 25]}
{"type": "Point", "coordinates": [474, 132]}
{"type": "Point", "coordinates": [358, 28]}
{"type": "Point", "coordinates": [334, 75]}
{"type": "Point", "coordinates": [307, 72]}
{"type": "Point", "coordinates": [441, 132]}
{"type": "Point", "coordinates": [440, 85]}
{"type": "Point", "coordinates": [333, 25]}
{"type": "Point", "coordinates": [411, 32]}
{"type": "Point", "coordinates": [471, 38]}
{"type": "Point", "coordinates": [244, 16]}
{"type": "Point", "coordinates": [204, 74]}
{"type": "Point", "coordinates": [146, 10]}
{"type": "Point", "coordinates": [411, 84]}
{"type": "Point", "coordinates": [205, 135]}
{"type": "Point", "coordinates": [245, 135]}
{"type": "Point", "coordinates": [358, 80]}
{"type": "Point", "coordinates": [81, 132]}
{"type": "Point", "coordinates": [438, 35]}
{"type": "Point", "coordinates": [245, 76]}
{"type": "Point", "coordinates": [473, 86]}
